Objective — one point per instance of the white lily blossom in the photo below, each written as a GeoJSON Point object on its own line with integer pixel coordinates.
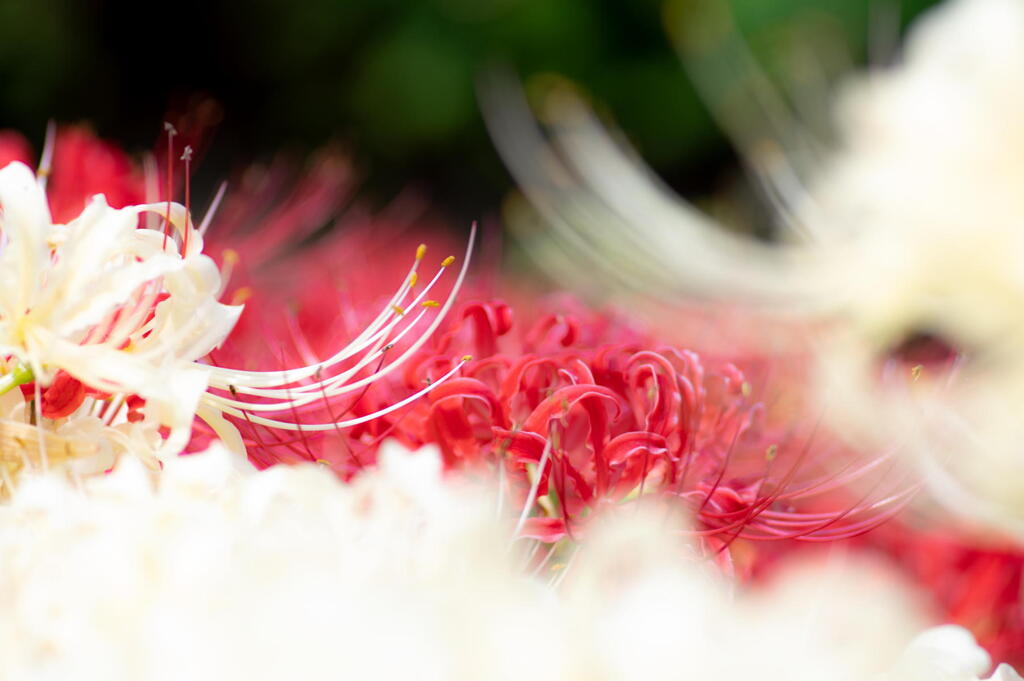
{"type": "Point", "coordinates": [213, 572]}
{"type": "Point", "coordinates": [125, 313]}
{"type": "Point", "coordinates": [86, 298]}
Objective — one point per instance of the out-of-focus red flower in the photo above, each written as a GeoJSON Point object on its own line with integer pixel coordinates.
{"type": "Point", "coordinates": [14, 147]}
{"type": "Point", "coordinates": [979, 586]}
{"type": "Point", "coordinates": [83, 165]}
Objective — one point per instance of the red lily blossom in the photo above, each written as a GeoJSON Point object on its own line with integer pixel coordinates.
{"type": "Point", "coordinates": [579, 410]}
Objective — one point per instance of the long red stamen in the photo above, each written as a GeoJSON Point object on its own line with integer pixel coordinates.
{"type": "Point", "coordinates": [186, 156]}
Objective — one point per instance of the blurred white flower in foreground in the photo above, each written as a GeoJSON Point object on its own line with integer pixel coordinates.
{"type": "Point", "coordinates": [903, 249]}
{"type": "Point", "coordinates": [282, 574]}
{"type": "Point", "coordinates": [106, 323]}
{"type": "Point", "coordinates": [223, 574]}
{"type": "Point", "coordinates": [946, 653]}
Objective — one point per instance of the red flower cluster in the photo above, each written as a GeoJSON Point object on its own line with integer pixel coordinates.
{"type": "Point", "coordinates": [575, 409]}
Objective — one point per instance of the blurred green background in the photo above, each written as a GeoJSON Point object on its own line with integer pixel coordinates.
{"type": "Point", "coordinates": [394, 80]}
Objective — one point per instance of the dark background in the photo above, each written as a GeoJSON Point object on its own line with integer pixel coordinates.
{"type": "Point", "coordinates": [393, 81]}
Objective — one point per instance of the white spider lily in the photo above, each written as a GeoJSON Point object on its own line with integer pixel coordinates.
{"type": "Point", "coordinates": [130, 313]}
{"type": "Point", "coordinates": [912, 226]}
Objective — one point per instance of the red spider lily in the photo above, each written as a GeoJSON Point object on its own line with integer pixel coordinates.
{"type": "Point", "coordinates": [581, 411]}
{"type": "Point", "coordinates": [584, 420]}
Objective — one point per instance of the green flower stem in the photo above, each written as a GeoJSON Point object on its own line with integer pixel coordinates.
{"type": "Point", "coordinates": [20, 376]}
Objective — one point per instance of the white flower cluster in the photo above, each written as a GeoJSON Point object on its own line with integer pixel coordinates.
{"type": "Point", "coordinates": [217, 572]}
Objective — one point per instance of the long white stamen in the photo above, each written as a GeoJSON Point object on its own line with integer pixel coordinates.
{"type": "Point", "coordinates": [212, 210]}
{"type": "Point", "coordinates": [312, 392]}
{"type": "Point", "coordinates": [333, 386]}
{"type": "Point", "coordinates": [286, 425]}
{"type": "Point", "coordinates": [292, 397]}
{"type": "Point", "coordinates": [46, 160]}
{"type": "Point", "coordinates": [531, 498]}
{"type": "Point", "coordinates": [246, 381]}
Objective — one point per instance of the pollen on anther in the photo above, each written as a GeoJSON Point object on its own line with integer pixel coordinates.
{"type": "Point", "coordinates": [413, 278]}
{"type": "Point", "coordinates": [398, 309]}
{"type": "Point", "coordinates": [467, 358]}
{"type": "Point", "coordinates": [430, 303]}
{"type": "Point", "coordinates": [448, 261]}
{"type": "Point", "coordinates": [241, 295]}
{"type": "Point", "coordinates": [421, 251]}
{"type": "Point", "coordinates": [230, 256]}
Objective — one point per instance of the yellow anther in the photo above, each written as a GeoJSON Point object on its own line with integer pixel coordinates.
{"type": "Point", "coordinates": [230, 257]}
{"type": "Point", "coordinates": [421, 251]}
{"type": "Point", "coordinates": [448, 261]}
{"type": "Point", "coordinates": [241, 295]}
{"type": "Point", "coordinates": [745, 389]}
{"type": "Point", "coordinates": [413, 278]}
{"type": "Point", "coordinates": [322, 462]}
{"type": "Point", "coordinates": [558, 566]}
{"type": "Point", "coordinates": [467, 358]}
{"type": "Point", "coordinates": [771, 452]}
{"type": "Point", "coordinates": [398, 310]}
{"type": "Point", "coordinates": [430, 303]}
{"type": "Point", "coordinates": [915, 372]}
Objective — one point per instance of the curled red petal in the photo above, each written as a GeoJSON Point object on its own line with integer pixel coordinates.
{"type": "Point", "coordinates": [563, 400]}
{"type": "Point", "coordinates": [624, 447]}
{"type": "Point", "coordinates": [63, 396]}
